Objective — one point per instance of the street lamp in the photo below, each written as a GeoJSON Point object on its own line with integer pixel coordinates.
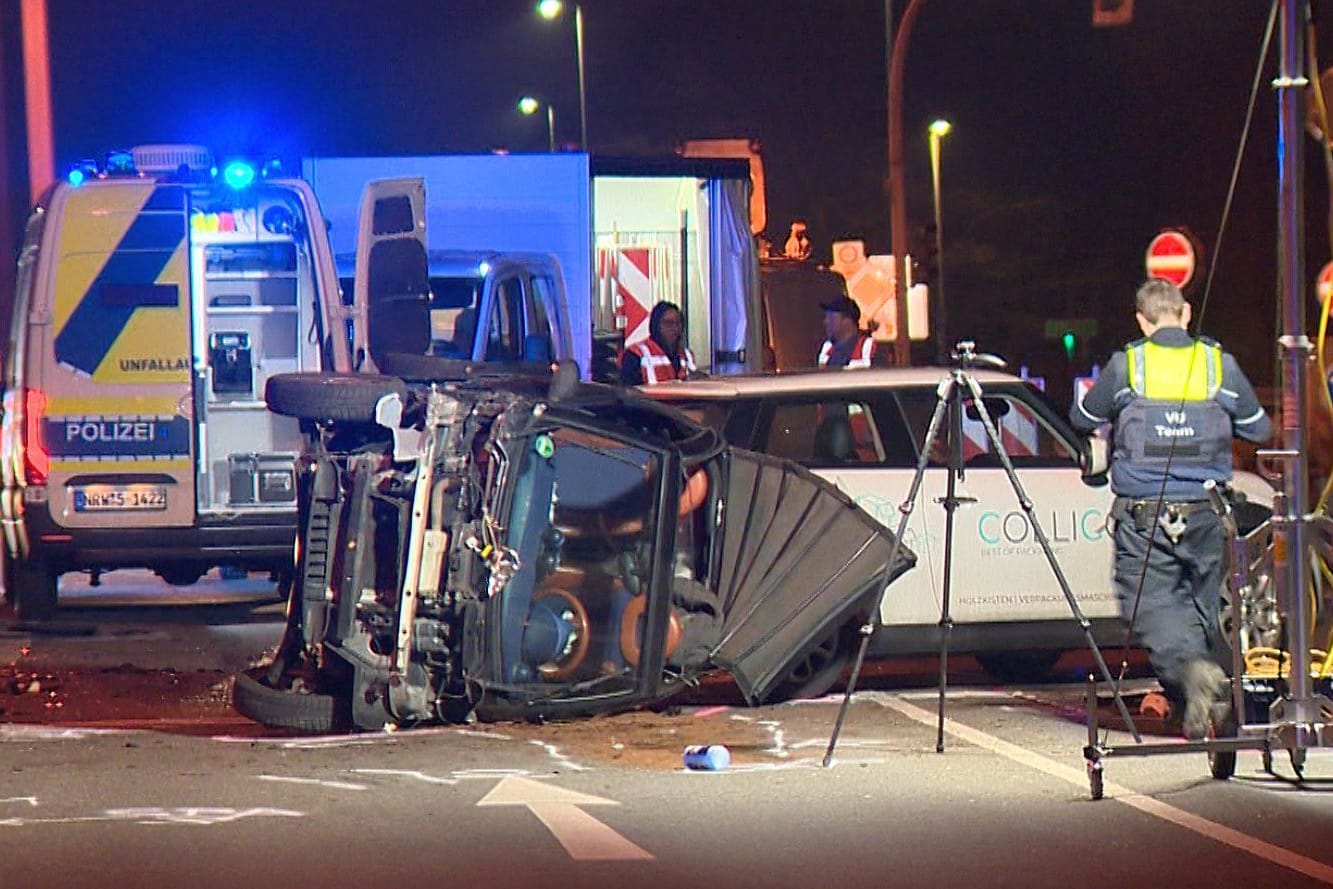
{"type": "Point", "coordinates": [550, 9]}
{"type": "Point", "coordinates": [529, 105]}
{"type": "Point", "coordinates": [938, 130]}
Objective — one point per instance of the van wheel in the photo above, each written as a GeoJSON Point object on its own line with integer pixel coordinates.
{"type": "Point", "coordinates": [346, 397]}
{"type": "Point", "coordinates": [34, 592]}
{"type": "Point", "coordinates": [303, 711]}
{"type": "Point", "coordinates": [1017, 667]}
{"type": "Point", "coordinates": [818, 668]}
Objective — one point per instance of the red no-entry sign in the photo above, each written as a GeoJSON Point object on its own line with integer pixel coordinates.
{"type": "Point", "coordinates": [1171, 256]}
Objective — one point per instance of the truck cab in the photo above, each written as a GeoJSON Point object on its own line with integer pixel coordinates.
{"type": "Point", "coordinates": [489, 306]}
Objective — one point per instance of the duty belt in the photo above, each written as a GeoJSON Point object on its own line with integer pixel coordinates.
{"type": "Point", "coordinates": [1171, 515]}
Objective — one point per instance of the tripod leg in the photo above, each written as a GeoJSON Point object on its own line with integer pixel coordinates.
{"type": "Point", "coordinates": [943, 394]}
{"type": "Point", "coordinates": [950, 502]}
{"type": "Point", "coordinates": [993, 435]}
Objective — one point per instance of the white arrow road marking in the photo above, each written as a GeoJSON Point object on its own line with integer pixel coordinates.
{"type": "Point", "coordinates": [583, 836]}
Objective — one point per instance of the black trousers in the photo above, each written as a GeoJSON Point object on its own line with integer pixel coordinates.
{"type": "Point", "coordinates": [1171, 590]}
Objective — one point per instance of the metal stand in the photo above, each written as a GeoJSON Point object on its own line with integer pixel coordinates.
{"type": "Point", "coordinates": [950, 403]}
{"type": "Point", "coordinates": [1299, 716]}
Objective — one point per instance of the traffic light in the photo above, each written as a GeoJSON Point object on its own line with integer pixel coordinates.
{"type": "Point", "coordinates": [1070, 342]}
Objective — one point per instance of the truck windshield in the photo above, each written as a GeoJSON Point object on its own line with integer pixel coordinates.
{"type": "Point", "coordinates": [453, 315]}
{"type": "Point", "coordinates": [582, 522]}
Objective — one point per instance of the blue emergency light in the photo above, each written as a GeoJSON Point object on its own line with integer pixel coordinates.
{"type": "Point", "coordinates": [238, 174]}
{"type": "Point", "coordinates": [81, 172]}
{"type": "Point", "coordinates": [120, 163]}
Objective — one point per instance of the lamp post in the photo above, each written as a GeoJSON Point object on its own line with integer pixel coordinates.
{"type": "Point", "coordinates": [938, 130]}
{"type": "Point", "coordinates": [530, 105]}
{"type": "Point", "coordinates": [549, 10]}
{"type": "Point", "coordinates": [897, 189]}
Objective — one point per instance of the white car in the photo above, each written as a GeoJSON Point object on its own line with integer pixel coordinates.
{"type": "Point", "coordinates": [864, 430]}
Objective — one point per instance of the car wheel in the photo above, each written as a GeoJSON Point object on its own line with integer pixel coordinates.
{"type": "Point", "coordinates": [180, 575]}
{"type": "Point", "coordinates": [1222, 763]}
{"type": "Point", "coordinates": [34, 591]}
{"type": "Point", "coordinates": [1016, 667]}
{"type": "Point", "coordinates": [303, 711]}
{"type": "Point", "coordinates": [347, 397]}
{"type": "Point", "coordinates": [818, 668]}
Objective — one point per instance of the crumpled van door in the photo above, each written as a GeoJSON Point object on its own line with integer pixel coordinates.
{"type": "Point", "coordinates": [391, 289]}
{"type": "Point", "coordinates": [797, 560]}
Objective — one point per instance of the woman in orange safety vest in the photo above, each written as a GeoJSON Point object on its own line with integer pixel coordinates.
{"type": "Point", "coordinates": [664, 355]}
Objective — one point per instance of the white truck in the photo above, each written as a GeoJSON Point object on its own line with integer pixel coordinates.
{"type": "Point", "coordinates": [627, 233]}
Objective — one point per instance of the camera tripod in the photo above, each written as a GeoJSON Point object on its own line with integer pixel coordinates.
{"type": "Point", "coordinates": [954, 390]}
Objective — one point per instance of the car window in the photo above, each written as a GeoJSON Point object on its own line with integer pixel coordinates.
{"type": "Point", "coordinates": [1027, 435]}
{"type": "Point", "coordinates": [822, 434]}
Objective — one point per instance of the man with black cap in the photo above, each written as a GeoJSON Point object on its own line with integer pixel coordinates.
{"type": "Point", "coordinates": [846, 345]}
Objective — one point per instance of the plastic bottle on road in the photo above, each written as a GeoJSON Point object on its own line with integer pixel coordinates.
{"type": "Point", "coordinates": [707, 757]}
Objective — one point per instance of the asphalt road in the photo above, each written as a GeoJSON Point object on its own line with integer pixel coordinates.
{"type": "Point", "coordinates": [606, 802]}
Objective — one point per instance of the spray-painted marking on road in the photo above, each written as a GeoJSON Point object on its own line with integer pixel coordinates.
{"type": "Point", "coordinates": [48, 733]}
{"type": "Point", "coordinates": [154, 815]}
{"type": "Point", "coordinates": [30, 800]}
{"type": "Point", "coordinates": [318, 743]}
{"type": "Point", "coordinates": [318, 782]}
{"type": "Point", "coordinates": [583, 836]}
{"type": "Point", "coordinates": [554, 752]}
{"type": "Point", "coordinates": [1146, 804]}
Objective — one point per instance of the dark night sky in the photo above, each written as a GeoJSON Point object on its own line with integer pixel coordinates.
{"type": "Point", "coordinates": [1071, 146]}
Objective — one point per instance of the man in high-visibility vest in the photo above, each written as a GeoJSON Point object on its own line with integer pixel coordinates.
{"type": "Point", "coordinates": [664, 355]}
{"type": "Point", "coordinates": [1175, 403]}
{"type": "Point", "coordinates": [846, 345]}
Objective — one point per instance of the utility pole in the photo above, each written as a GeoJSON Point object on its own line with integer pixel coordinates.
{"type": "Point", "coordinates": [897, 192]}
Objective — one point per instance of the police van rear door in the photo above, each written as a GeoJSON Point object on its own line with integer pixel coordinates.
{"type": "Point", "coordinates": [113, 359]}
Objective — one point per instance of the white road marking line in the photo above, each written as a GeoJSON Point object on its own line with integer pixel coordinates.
{"type": "Point", "coordinates": [407, 773]}
{"type": "Point", "coordinates": [583, 836]}
{"type": "Point", "coordinates": [30, 800]}
{"type": "Point", "coordinates": [319, 782]}
{"type": "Point", "coordinates": [1217, 832]}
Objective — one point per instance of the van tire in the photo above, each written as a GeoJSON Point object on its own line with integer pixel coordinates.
{"type": "Point", "coordinates": [311, 712]}
{"type": "Point", "coordinates": [345, 397]}
{"type": "Point", "coordinates": [35, 589]}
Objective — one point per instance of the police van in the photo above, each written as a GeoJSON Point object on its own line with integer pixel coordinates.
{"type": "Point", "coordinates": [155, 297]}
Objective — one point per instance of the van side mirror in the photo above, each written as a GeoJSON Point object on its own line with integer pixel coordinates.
{"type": "Point", "coordinates": [1095, 458]}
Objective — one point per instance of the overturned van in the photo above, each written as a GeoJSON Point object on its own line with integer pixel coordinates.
{"type": "Point", "coordinates": [155, 297]}
{"type": "Point", "coordinates": [496, 548]}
